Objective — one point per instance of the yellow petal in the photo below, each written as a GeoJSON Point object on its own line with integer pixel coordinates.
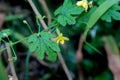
{"type": "Point", "coordinates": [79, 3]}
{"type": "Point", "coordinates": [58, 41]}
{"type": "Point", "coordinates": [62, 41]}
{"type": "Point", "coordinates": [83, 3]}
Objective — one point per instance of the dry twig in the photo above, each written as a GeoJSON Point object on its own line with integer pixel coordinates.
{"type": "Point", "coordinates": [79, 56]}
{"type": "Point", "coordinates": [11, 61]}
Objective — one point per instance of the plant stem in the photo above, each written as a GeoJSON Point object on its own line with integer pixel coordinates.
{"type": "Point", "coordinates": [64, 66]}
{"type": "Point", "coordinates": [27, 66]}
{"type": "Point", "coordinates": [46, 10]}
{"type": "Point", "coordinates": [11, 61]}
{"type": "Point", "coordinates": [24, 21]}
{"type": "Point", "coordinates": [37, 13]}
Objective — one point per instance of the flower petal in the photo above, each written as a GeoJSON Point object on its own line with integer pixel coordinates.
{"type": "Point", "coordinates": [62, 41]}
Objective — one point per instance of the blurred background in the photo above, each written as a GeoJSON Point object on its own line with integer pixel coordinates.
{"type": "Point", "coordinates": [82, 61]}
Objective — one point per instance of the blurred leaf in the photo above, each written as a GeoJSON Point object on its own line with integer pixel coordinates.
{"type": "Point", "coordinates": [104, 76]}
{"type": "Point", "coordinates": [3, 74]}
{"type": "Point", "coordinates": [110, 41]}
{"type": "Point", "coordinates": [45, 76]}
{"type": "Point", "coordinates": [113, 50]}
{"type": "Point", "coordinates": [99, 1]}
{"type": "Point", "coordinates": [16, 16]}
{"type": "Point", "coordinates": [66, 11]}
{"type": "Point", "coordinates": [87, 65]}
{"type": "Point", "coordinates": [112, 13]}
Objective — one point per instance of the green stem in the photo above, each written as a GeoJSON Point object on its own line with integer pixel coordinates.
{"type": "Point", "coordinates": [27, 63]}
{"type": "Point", "coordinates": [37, 21]}
{"type": "Point", "coordinates": [24, 21]}
{"type": "Point", "coordinates": [13, 44]}
{"type": "Point", "coordinates": [15, 56]}
{"type": "Point", "coordinates": [57, 31]}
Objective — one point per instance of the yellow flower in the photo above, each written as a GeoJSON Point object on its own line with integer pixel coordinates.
{"type": "Point", "coordinates": [61, 38]}
{"type": "Point", "coordinates": [90, 4]}
{"type": "Point", "coordinates": [84, 4]}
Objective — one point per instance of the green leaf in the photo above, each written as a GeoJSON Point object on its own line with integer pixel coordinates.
{"type": "Point", "coordinates": [33, 42]}
{"type": "Point", "coordinates": [5, 33]}
{"type": "Point", "coordinates": [99, 2]}
{"type": "Point", "coordinates": [112, 13]}
{"type": "Point", "coordinates": [46, 35]}
{"type": "Point", "coordinates": [52, 45]}
{"type": "Point", "coordinates": [41, 43]}
{"type": "Point", "coordinates": [66, 11]}
{"type": "Point", "coordinates": [61, 20]}
{"type": "Point", "coordinates": [104, 76]}
{"type": "Point", "coordinates": [3, 74]}
{"type": "Point", "coordinates": [40, 50]}
{"type": "Point", "coordinates": [115, 15]}
{"type": "Point", "coordinates": [70, 20]}
{"type": "Point", "coordinates": [51, 54]}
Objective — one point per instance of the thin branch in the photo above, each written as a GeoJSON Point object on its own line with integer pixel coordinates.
{"type": "Point", "coordinates": [37, 13]}
{"type": "Point", "coordinates": [79, 57]}
{"type": "Point", "coordinates": [64, 66]}
{"type": "Point", "coordinates": [11, 61]}
{"type": "Point", "coordinates": [79, 50]}
{"type": "Point", "coordinates": [46, 10]}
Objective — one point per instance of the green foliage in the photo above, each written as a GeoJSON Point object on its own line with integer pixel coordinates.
{"type": "Point", "coordinates": [3, 74]}
{"type": "Point", "coordinates": [4, 33]}
{"type": "Point", "coordinates": [99, 2]}
{"type": "Point", "coordinates": [41, 43]}
{"type": "Point", "coordinates": [66, 11]}
{"type": "Point", "coordinates": [112, 13]}
{"type": "Point", "coordinates": [104, 76]}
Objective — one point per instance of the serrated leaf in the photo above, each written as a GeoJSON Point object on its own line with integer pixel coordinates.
{"type": "Point", "coordinates": [116, 7]}
{"type": "Point", "coordinates": [33, 42]}
{"type": "Point", "coordinates": [70, 20]}
{"type": "Point", "coordinates": [58, 11]}
{"type": "Point", "coordinates": [115, 15]}
{"type": "Point", "coordinates": [46, 35]}
{"type": "Point", "coordinates": [40, 50]}
{"type": "Point", "coordinates": [41, 43]}
{"type": "Point", "coordinates": [51, 54]}
{"type": "Point", "coordinates": [66, 11]}
{"type": "Point", "coordinates": [112, 13]}
{"type": "Point", "coordinates": [74, 10]}
{"type": "Point", "coordinates": [106, 17]}
{"type": "Point", "coordinates": [61, 20]}
{"type": "Point", "coordinates": [52, 45]}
